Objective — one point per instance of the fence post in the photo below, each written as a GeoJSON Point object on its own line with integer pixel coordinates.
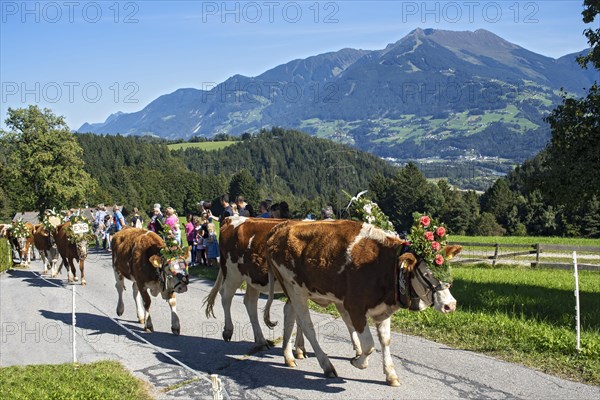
{"type": "Point", "coordinates": [496, 254]}
{"type": "Point", "coordinates": [577, 310]}
{"type": "Point", "coordinates": [216, 387]}
{"type": "Point", "coordinates": [73, 323]}
{"type": "Point", "coordinates": [537, 255]}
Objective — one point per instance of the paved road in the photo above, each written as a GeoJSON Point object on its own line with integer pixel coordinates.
{"type": "Point", "coordinates": [35, 317]}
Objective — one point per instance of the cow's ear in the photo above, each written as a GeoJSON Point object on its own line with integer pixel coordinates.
{"type": "Point", "coordinates": [451, 251]}
{"type": "Point", "coordinates": [409, 260]}
{"type": "Point", "coordinates": [156, 261]}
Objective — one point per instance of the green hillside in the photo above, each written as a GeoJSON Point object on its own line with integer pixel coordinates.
{"type": "Point", "coordinates": [206, 146]}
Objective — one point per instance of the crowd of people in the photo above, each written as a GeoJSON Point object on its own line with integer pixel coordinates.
{"type": "Point", "coordinates": [199, 231]}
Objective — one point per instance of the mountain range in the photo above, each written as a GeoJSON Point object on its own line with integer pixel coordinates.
{"type": "Point", "coordinates": [433, 93]}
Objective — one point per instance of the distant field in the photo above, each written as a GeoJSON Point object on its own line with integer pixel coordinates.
{"type": "Point", "coordinates": [208, 146]}
{"type": "Point", "coordinates": [525, 240]}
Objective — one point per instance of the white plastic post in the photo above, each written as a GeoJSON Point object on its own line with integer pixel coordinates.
{"type": "Point", "coordinates": [216, 387]}
{"type": "Point", "coordinates": [73, 326]}
{"type": "Point", "coordinates": [577, 311]}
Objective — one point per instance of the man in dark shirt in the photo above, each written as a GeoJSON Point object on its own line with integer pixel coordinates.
{"type": "Point", "coordinates": [227, 211]}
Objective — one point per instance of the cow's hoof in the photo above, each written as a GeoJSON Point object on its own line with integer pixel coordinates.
{"type": "Point", "coordinates": [358, 363]}
{"type": "Point", "coordinates": [149, 329]}
{"type": "Point", "coordinates": [83, 282]}
{"type": "Point", "coordinates": [291, 363]}
{"type": "Point", "coordinates": [227, 335]}
{"type": "Point", "coordinates": [332, 373]}
{"type": "Point", "coordinates": [75, 279]}
{"type": "Point", "coordinates": [300, 353]}
{"type": "Point", "coordinates": [141, 321]}
{"type": "Point", "coordinates": [175, 331]}
{"type": "Point", "coordinates": [53, 275]}
{"type": "Point", "coordinates": [395, 382]}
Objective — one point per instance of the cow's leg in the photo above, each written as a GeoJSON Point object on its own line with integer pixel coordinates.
{"type": "Point", "coordinates": [81, 266]}
{"type": "Point", "coordinates": [120, 285]}
{"type": "Point", "coordinates": [367, 345]}
{"type": "Point", "coordinates": [353, 334]}
{"type": "Point", "coordinates": [147, 301]}
{"type": "Point", "coordinates": [300, 349]}
{"type": "Point", "coordinates": [289, 317]}
{"type": "Point", "coordinates": [230, 285]}
{"type": "Point", "coordinates": [300, 304]}
{"type": "Point", "coordinates": [70, 270]}
{"type": "Point", "coordinates": [383, 332]}
{"type": "Point", "coordinates": [175, 327]}
{"type": "Point", "coordinates": [251, 303]}
{"type": "Point", "coordinates": [139, 304]}
{"type": "Point", "coordinates": [53, 255]}
{"type": "Point", "coordinates": [45, 261]}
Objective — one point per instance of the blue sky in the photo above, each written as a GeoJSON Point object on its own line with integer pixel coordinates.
{"type": "Point", "coordinates": [88, 59]}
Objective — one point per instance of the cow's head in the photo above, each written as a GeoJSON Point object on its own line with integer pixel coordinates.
{"type": "Point", "coordinates": [427, 290]}
{"type": "Point", "coordinates": [22, 242]}
{"type": "Point", "coordinates": [82, 248]}
{"type": "Point", "coordinates": [173, 272]}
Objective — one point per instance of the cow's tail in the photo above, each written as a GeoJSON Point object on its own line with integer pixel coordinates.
{"type": "Point", "coordinates": [267, 311]}
{"type": "Point", "coordinates": [209, 300]}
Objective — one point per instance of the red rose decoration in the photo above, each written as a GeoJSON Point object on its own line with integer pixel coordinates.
{"type": "Point", "coordinates": [429, 236]}
{"type": "Point", "coordinates": [425, 221]}
{"type": "Point", "coordinates": [439, 259]}
{"type": "Point", "coordinates": [441, 231]}
{"type": "Point", "coordinates": [436, 245]}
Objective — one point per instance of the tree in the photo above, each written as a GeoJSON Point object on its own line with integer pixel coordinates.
{"type": "Point", "coordinates": [590, 12]}
{"type": "Point", "coordinates": [46, 161]}
{"type": "Point", "coordinates": [574, 152]}
{"type": "Point", "coordinates": [244, 184]}
{"type": "Point", "coordinates": [499, 201]}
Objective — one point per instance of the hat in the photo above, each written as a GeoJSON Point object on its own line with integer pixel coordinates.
{"type": "Point", "coordinates": [156, 205]}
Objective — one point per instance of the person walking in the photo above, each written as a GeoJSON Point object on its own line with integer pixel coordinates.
{"type": "Point", "coordinates": [241, 205]}
{"type": "Point", "coordinates": [227, 211]}
{"type": "Point", "coordinates": [201, 236]}
{"type": "Point", "coordinates": [136, 220]}
{"type": "Point", "coordinates": [212, 246]}
{"type": "Point", "coordinates": [118, 218]}
{"type": "Point", "coordinates": [190, 234]}
{"type": "Point", "coordinates": [99, 223]}
{"type": "Point", "coordinates": [173, 221]}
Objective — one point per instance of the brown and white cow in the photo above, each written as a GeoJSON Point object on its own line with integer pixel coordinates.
{"type": "Point", "coordinates": [136, 256]}
{"type": "Point", "coordinates": [21, 245]}
{"type": "Point", "coordinates": [359, 268]}
{"type": "Point", "coordinates": [43, 240]}
{"type": "Point", "coordinates": [70, 251]}
{"type": "Point", "coordinates": [242, 247]}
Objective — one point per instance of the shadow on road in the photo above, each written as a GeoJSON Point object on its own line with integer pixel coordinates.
{"type": "Point", "coordinates": [208, 355]}
{"type": "Point", "coordinates": [34, 280]}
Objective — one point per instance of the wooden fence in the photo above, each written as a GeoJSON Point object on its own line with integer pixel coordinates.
{"type": "Point", "coordinates": [519, 250]}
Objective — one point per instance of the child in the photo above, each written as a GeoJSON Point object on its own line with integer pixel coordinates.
{"type": "Point", "coordinates": [212, 246]}
{"type": "Point", "coordinates": [200, 245]}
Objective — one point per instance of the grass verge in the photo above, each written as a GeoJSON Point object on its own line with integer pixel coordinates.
{"type": "Point", "coordinates": [5, 256]}
{"type": "Point", "coordinates": [99, 380]}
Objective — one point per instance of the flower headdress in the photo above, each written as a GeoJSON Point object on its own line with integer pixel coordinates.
{"type": "Point", "coordinates": [427, 240]}
{"type": "Point", "coordinates": [87, 234]}
{"type": "Point", "coordinates": [171, 250]}
{"type": "Point", "coordinates": [19, 230]}
{"type": "Point", "coordinates": [50, 220]}
{"type": "Point", "coordinates": [369, 212]}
